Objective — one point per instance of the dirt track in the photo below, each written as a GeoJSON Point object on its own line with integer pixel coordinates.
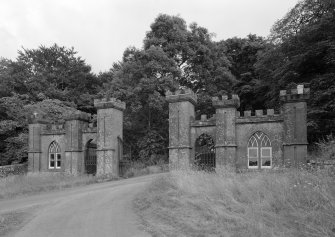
{"type": "Point", "coordinates": [103, 209]}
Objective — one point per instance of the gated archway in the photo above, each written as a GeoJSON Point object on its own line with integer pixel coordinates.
{"type": "Point", "coordinates": [90, 162]}
{"type": "Point", "coordinates": [205, 152]}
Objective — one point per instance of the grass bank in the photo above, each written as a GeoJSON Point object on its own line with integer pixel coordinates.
{"type": "Point", "coordinates": [30, 183]}
{"type": "Point", "coordinates": [287, 203]}
{"type": "Point", "coordinates": [17, 185]}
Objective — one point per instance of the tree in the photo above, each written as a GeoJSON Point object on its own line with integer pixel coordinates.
{"type": "Point", "coordinates": [14, 123]}
{"type": "Point", "coordinates": [304, 53]}
{"type": "Point", "coordinates": [303, 15]}
{"type": "Point", "coordinates": [141, 80]}
{"type": "Point", "coordinates": [55, 72]}
{"type": "Point", "coordinates": [243, 55]}
{"type": "Point", "coordinates": [202, 62]}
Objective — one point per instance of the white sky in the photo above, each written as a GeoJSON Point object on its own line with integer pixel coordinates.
{"type": "Point", "coordinates": [100, 30]}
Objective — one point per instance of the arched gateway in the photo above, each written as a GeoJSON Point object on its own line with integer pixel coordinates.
{"type": "Point", "coordinates": [242, 140]}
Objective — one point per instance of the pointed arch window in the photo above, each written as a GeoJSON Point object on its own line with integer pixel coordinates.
{"type": "Point", "coordinates": [55, 161]}
{"type": "Point", "coordinates": [259, 151]}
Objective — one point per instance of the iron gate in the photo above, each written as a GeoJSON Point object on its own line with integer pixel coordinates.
{"type": "Point", "coordinates": [120, 148]}
{"type": "Point", "coordinates": [123, 164]}
{"type": "Point", "coordinates": [91, 159]}
{"type": "Point", "coordinates": [205, 153]}
{"type": "Point", "coordinates": [205, 158]}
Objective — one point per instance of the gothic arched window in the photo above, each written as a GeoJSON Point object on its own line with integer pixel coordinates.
{"type": "Point", "coordinates": [55, 161]}
{"type": "Point", "coordinates": [259, 151]}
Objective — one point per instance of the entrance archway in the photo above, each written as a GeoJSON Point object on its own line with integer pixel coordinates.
{"type": "Point", "coordinates": [205, 152]}
{"type": "Point", "coordinates": [90, 163]}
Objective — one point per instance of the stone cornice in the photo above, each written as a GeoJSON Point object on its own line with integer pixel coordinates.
{"type": "Point", "coordinates": [181, 95]}
{"type": "Point", "coordinates": [107, 103]}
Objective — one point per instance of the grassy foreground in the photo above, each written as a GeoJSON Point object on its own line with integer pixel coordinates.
{"type": "Point", "coordinates": [17, 185]}
{"type": "Point", "coordinates": [30, 183]}
{"type": "Point", "coordinates": [287, 203]}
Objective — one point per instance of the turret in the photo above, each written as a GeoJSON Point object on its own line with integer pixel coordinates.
{"type": "Point", "coordinates": [74, 154]}
{"type": "Point", "coordinates": [295, 124]}
{"type": "Point", "coordinates": [36, 124]}
{"type": "Point", "coordinates": [109, 129]}
{"type": "Point", "coordinates": [225, 129]}
{"type": "Point", "coordinates": [181, 112]}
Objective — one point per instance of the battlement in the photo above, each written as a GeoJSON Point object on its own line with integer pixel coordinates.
{"type": "Point", "coordinates": [258, 116]}
{"type": "Point", "coordinates": [257, 113]}
{"type": "Point", "coordinates": [53, 129]}
{"type": "Point", "coordinates": [181, 95]}
{"type": "Point", "coordinates": [226, 102]}
{"type": "Point", "coordinates": [37, 118]}
{"type": "Point", "coordinates": [109, 103]}
{"type": "Point", "coordinates": [91, 128]}
{"type": "Point", "coordinates": [204, 121]}
{"type": "Point", "coordinates": [78, 115]}
{"type": "Point", "coordinates": [294, 95]}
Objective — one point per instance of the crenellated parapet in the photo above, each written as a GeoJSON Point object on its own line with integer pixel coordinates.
{"type": "Point", "coordinates": [107, 103]}
{"type": "Point", "coordinates": [37, 119]}
{"type": "Point", "coordinates": [259, 116]}
{"type": "Point", "coordinates": [204, 121]}
{"type": "Point", "coordinates": [257, 113]}
{"type": "Point", "coordinates": [53, 129]}
{"type": "Point", "coordinates": [91, 128]}
{"type": "Point", "coordinates": [181, 95]}
{"type": "Point", "coordinates": [294, 95]}
{"type": "Point", "coordinates": [78, 115]}
{"type": "Point", "coordinates": [226, 102]}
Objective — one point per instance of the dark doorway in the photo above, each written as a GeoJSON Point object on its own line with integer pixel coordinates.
{"type": "Point", "coordinates": [91, 158]}
{"type": "Point", "coordinates": [205, 153]}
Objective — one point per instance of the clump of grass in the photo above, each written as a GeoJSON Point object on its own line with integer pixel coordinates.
{"type": "Point", "coordinates": [326, 148]}
{"type": "Point", "coordinates": [16, 185]}
{"type": "Point", "coordinates": [285, 203]}
{"type": "Point", "coordinates": [138, 168]}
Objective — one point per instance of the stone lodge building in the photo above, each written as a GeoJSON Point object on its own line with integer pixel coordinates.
{"type": "Point", "coordinates": [261, 141]}
{"type": "Point", "coordinates": [77, 147]}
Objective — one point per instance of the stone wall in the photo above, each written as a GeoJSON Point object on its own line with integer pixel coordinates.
{"type": "Point", "coordinates": [18, 169]}
{"type": "Point", "coordinates": [231, 129]}
{"type": "Point", "coordinates": [73, 137]}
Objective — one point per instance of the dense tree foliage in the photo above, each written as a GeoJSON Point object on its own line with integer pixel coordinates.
{"type": "Point", "coordinates": [51, 81]}
{"type": "Point", "coordinates": [304, 53]}
{"type": "Point", "coordinates": [54, 81]}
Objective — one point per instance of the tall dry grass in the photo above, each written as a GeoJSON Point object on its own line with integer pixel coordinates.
{"type": "Point", "coordinates": [17, 185]}
{"type": "Point", "coordinates": [284, 203]}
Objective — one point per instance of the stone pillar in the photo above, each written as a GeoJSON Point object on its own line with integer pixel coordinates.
{"type": "Point", "coordinates": [225, 129]}
{"type": "Point", "coordinates": [109, 128]}
{"type": "Point", "coordinates": [74, 150]}
{"type": "Point", "coordinates": [295, 125]}
{"type": "Point", "coordinates": [36, 124]}
{"type": "Point", "coordinates": [181, 112]}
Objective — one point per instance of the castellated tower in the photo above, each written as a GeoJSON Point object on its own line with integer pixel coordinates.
{"type": "Point", "coordinates": [73, 147]}
{"type": "Point", "coordinates": [181, 113]}
{"type": "Point", "coordinates": [226, 129]}
{"type": "Point", "coordinates": [295, 125]}
{"type": "Point", "coordinates": [36, 125]}
{"type": "Point", "coordinates": [109, 129]}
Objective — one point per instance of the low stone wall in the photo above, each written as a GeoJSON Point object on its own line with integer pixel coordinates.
{"type": "Point", "coordinates": [13, 170]}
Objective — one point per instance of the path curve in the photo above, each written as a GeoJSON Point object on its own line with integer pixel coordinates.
{"type": "Point", "coordinates": [96, 210]}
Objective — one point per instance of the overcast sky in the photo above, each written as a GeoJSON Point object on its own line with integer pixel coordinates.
{"type": "Point", "coordinates": [100, 30]}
